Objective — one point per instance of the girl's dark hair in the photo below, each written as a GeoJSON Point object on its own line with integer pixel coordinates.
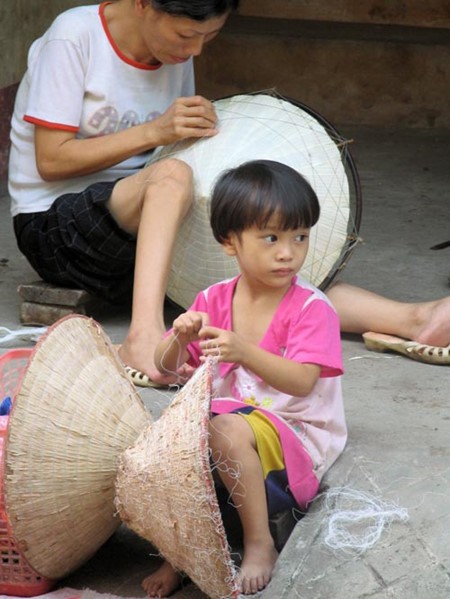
{"type": "Point", "coordinates": [253, 192]}
{"type": "Point", "coordinates": [198, 10]}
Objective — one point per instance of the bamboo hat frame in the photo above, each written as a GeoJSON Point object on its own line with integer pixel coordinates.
{"type": "Point", "coordinates": [266, 126]}
{"type": "Point", "coordinates": [165, 491]}
{"type": "Point", "coordinates": [74, 413]}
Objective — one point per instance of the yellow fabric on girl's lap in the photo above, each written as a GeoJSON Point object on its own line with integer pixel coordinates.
{"type": "Point", "coordinates": [267, 441]}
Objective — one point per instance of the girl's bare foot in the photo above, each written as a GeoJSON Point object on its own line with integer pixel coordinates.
{"type": "Point", "coordinates": [163, 582]}
{"type": "Point", "coordinates": [257, 567]}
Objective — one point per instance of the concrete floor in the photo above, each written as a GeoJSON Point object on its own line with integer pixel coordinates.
{"type": "Point", "coordinates": [397, 409]}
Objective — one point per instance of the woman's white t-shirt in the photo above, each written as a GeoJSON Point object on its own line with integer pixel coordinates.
{"type": "Point", "coordinates": [78, 80]}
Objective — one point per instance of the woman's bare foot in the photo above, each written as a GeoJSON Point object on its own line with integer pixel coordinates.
{"type": "Point", "coordinates": [433, 323]}
{"type": "Point", "coordinates": [257, 567]}
{"type": "Point", "coordinates": [163, 582]}
{"type": "Point", "coordinates": [137, 351]}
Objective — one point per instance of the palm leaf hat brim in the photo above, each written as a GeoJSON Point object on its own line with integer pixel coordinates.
{"type": "Point", "coordinates": [74, 413]}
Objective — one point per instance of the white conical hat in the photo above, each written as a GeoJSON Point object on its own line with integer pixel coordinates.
{"type": "Point", "coordinates": [165, 491]}
{"type": "Point", "coordinates": [74, 413]}
{"type": "Point", "coordinates": [260, 126]}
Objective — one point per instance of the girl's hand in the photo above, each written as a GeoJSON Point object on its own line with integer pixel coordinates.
{"type": "Point", "coordinates": [226, 346]}
{"type": "Point", "coordinates": [186, 117]}
{"type": "Point", "coordinates": [188, 325]}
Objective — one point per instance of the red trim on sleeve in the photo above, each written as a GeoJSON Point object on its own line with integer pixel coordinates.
{"type": "Point", "coordinates": [49, 124]}
{"type": "Point", "coordinates": [117, 50]}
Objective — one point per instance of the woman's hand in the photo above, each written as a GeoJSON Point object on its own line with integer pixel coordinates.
{"type": "Point", "coordinates": [186, 117]}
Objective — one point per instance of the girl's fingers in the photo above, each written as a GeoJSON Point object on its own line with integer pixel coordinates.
{"type": "Point", "coordinates": [207, 332]}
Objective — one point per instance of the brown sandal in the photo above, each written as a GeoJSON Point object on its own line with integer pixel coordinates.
{"type": "Point", "coordinates": [421, 352]}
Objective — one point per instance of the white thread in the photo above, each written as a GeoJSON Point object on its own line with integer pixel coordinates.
{"type": "Point", "coordinates": [349, 511]}
{"type": "Point", "coordinates": [228, 465]}
{"type": "Point", "coordinates": [214, 359]}
{"type": "Point", "coordinates": [25, 334]}
{"type": "Point", "coordinates": [175, 373]}
{"type": "Point", "coordinates": [371, 357]}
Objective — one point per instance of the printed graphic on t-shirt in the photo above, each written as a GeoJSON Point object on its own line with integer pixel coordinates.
{"type": "Point", "coordinates": [107, 120]}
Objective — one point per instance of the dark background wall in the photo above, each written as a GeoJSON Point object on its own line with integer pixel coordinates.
{"type": "Point", "coordinates": [368, 62]}
{"type": "Point", "coordinates": [21, 22]}
{"type": "Point", "coordinates": [357, 61]}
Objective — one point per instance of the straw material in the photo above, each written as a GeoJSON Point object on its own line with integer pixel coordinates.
{"type": "Point", "coordinates": [253, 127]}
{"type": "Point", "coordinates": [73, 415]}
{"type": "Point", "coordinates": [165, 490]}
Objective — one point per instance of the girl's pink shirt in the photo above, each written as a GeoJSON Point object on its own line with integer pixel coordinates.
{"type": "Point", "coordinates": [305, 328]}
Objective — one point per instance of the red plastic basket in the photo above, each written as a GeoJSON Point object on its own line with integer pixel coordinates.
{"type": "Point", "coordinates": [17, 577]}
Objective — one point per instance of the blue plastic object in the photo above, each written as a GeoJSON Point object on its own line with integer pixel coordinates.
{"type": "Point", "coordinates": [5, 406]}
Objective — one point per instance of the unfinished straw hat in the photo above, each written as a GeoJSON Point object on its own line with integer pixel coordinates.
{"type": "Point", "coordinates": [165, 490]}
{"type": "Point", "coordinates": [265, 126]}
{"type": "Point", "coordinates": [74, 413]}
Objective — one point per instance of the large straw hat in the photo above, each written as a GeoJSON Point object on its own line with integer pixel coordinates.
{"type": "Point", "coordinates": [266, 126]}
{"type": "Point", "coordinates": [74, 413]}
{"type": "Point", "coordinates": [165, 491]}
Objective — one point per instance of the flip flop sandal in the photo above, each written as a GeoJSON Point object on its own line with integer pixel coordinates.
{"type": "Point", "coordinates": [421, 352]}
{"type": "Point", "coordinates": [140, 379]}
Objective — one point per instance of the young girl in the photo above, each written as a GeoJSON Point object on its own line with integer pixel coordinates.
{"type": "Point", "coordinates": [278, 420]}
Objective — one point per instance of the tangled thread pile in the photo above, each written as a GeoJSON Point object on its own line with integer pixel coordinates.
{"type": "Point", "coordinates": [357, 519]}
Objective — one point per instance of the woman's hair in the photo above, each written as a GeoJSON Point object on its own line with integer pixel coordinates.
{"type": "Point", "coordinates": [198, 10]}
{"type": "Point", "coordinates": [253, 192]}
